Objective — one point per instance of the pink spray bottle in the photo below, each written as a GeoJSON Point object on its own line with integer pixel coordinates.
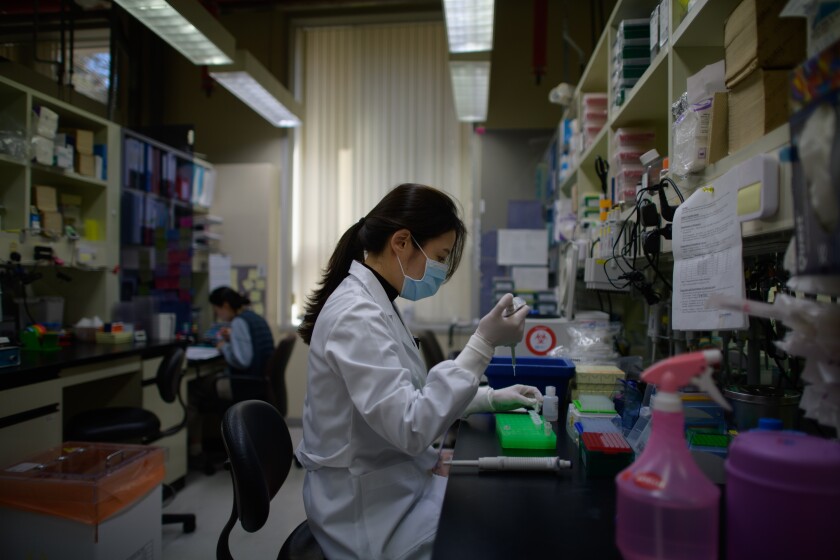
{"type": "Point", "coordinates": [667, 508]}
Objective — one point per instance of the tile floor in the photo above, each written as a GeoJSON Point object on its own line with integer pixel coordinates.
{"type": "Point", "coordinates": [211, 499]}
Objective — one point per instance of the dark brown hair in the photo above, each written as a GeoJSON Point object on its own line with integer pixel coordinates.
{"type": "Point", "coordinates": [225, 294]}
{"type": "Point", "coordinates": [424, 211]}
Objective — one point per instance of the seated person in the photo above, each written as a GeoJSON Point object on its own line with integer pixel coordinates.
{"type": "Point", "coordinates": [246, 345]}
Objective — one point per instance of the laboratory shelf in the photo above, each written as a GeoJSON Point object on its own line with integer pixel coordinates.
{"type": "Point", "coordinates": [648, 100]}
{"type": "Point", "coordinates": [594, 79]}
{"type": "Point", "coordinates": [64, 177]}
{"type": "Point", "coordinates": [586, 165]}
{"type": "Point", "coordinates": [10, 162]}
{"type": "Point", "coordinates": [703, 26]}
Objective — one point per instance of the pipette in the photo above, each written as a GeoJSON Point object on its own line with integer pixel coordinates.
{"type": "Point", "coordinates": [514, 463]}
{"type": "Point", "coordinates": [515, 305]}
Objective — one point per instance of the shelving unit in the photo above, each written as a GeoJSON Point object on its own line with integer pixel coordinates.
{"type": "Point", "coordinates": [157, 224]}
{"type": "Point", "coordinates": [696, 40]}
{"type": "Point", "coordinates": [91, 258]}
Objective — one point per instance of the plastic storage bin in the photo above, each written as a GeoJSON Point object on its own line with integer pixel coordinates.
{"type": "Point", "coordinates": [93, 501]}
{"type": "Point", "coordinates": [535, 371]}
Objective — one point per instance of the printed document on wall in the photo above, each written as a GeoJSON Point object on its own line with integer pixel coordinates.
{"type": "Point", "coordinates": [707, 259]}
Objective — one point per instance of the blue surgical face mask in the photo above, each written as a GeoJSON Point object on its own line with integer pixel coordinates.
{"type": "Point", "coordinates": [428, 285]}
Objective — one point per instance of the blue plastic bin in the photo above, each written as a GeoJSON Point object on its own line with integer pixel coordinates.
{"type": "Point", "coordinates": [531, 370]}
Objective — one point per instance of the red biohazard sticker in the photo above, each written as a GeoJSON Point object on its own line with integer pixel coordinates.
{"type": "Point", "coordinates": [648, 481]}
{"type": "Point", "coordinates": [540, 340]}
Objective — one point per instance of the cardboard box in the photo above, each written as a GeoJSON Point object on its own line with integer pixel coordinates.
{"type": "Point", "coordinates": [45, 199]}
{"type": "Point", "coordinates": [43, 150]}
{"type": "Point", "coordinates": [81, 139]}
{"type": "Point", "coordinates": [73, 501]}
{"type": "Point", "coordinates": [85, 165]}
{"type": "Point", "coordinates": [63, 156]}
{"type": "Point", "coordinates": [754, 36]}
{"type": "Point", "coordinates": [45, 122]}
{"type": "Point", "coordinates": [757, 105]}
{"type": "Point", "coordinates": [52, 222]}
{"type": "Point", "coordinates": [134, 532]}
{"type": "Point", "coordinates": [717, 146]}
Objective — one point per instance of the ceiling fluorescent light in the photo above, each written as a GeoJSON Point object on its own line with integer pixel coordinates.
{"type": "Point", "coordinates": [469, 25]}
{"type": "Point", "coordinates": [471, 87]}
{"type": "Point", "coordinates": [255, 86]}
{"type": "Point", "coordinates": [187, 26]}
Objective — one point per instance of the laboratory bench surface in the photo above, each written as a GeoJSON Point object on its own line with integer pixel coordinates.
{"type": "Point", "coordinates": [517, 514]}
{"type": "Point", "coordinates": [36, 366]}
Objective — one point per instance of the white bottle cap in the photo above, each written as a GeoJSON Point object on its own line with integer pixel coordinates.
{"type": "Point", "coordinates": [550, 391]}
{"type": "Point", "coordinates": [648, 157]}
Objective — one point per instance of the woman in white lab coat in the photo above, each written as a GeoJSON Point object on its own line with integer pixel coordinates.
{"type": "Point", "coordinates": [372, 410]}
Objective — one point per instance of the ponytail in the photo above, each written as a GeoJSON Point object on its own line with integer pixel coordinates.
{"type": "Point", "coordinates": [425, 211]}
{"type": "Point", "coordinates": [349, 248]}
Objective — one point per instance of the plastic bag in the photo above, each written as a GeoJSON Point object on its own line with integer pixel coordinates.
{"type": "Point", "coordinates": [691, 132]}
{"type": "Point", "coordinates": [590, 342]}
{"type": "Point", "coordinates": [13, 142]}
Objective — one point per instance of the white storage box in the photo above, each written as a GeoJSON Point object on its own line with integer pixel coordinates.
{"type": "Point", "coordinates": [85, 501]}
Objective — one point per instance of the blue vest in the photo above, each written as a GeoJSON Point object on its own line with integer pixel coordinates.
{"type": "Point", "coordinates": [262, 343]}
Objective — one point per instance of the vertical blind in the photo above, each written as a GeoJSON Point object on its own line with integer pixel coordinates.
{"type": "Point", "coordinates": [378, 112]}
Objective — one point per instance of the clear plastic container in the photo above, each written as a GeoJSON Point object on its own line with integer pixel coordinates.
{"type": "Point", "coordinates": [85, 482]}
{"type": "Point", "coordinates": [638, 138]}
{"type": "Point", "coordinates": [594, 100]}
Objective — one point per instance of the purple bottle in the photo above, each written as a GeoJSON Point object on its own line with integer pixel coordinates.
{"type": "Point", "coordinates": [782, 496]}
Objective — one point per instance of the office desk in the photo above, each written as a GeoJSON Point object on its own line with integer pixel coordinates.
{"type": "Point", "coordinates": [38, 397]}
{"type": "Point", "coordinates": [517, 514]}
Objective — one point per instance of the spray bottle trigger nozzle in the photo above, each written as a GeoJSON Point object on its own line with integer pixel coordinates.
{"type": "Point", "coordinates": [705, 383]}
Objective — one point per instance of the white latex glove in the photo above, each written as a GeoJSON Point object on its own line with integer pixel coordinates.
{"type": "Point", "coordinates": [515, 396]}
{"type": "Point", "coordinates": [497, 330]}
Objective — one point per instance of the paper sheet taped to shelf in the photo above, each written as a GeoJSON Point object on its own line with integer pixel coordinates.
{"type": "Point", "coordinates": [522, 246]}
{"type": "Point", "coordinates": [707, 258]}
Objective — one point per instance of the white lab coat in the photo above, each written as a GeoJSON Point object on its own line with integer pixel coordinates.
{"type": "Point", "coordinates": [370, 416]}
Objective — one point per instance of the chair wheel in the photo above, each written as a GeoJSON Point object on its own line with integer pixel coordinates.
{"type": "Point", "coordinates": [189, 526]}
{"type": "Point", "coordinates": [209, 469]}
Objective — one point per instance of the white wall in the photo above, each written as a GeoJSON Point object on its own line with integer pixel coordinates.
{"type": "Point", "coordinates": [248, 198]}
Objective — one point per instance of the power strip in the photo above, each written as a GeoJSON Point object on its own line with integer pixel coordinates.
{"type": "Point", "coordinates": [595, 277]}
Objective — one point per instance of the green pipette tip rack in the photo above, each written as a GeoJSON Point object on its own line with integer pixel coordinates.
{"type": "Point", "coordinates": [518, 431]}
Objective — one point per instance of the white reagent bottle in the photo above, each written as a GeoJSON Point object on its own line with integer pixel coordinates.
{"type": "Point", "coordinates": [550, 411]}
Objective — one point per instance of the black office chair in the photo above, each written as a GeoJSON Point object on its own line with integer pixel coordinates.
{"type": "Point", "coordinates": [260, 454]}
{"type": "Point", "coordinates": [275, 373]}
{"type": "Point", "coordinates": [127, 424]}
{"type": "Point", "coordinates": [430, 348]}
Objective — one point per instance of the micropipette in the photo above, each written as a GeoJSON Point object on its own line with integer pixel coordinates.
{"type": "Point", "coordinates": [516, 304]}
{"type": "Point", "coordinates": [515, 463]}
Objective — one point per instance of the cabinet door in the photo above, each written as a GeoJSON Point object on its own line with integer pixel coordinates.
{"type": "Point", "coordinates": [30, 421]}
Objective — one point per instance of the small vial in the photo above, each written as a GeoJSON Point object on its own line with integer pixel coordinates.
{"type": "Point", "coordinates": [550, 404]}
{"type": "Point", "coordinates": [547, 428]}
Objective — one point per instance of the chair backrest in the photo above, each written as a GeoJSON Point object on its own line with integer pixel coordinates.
{"type": "Point", "coordinates": [260, 452]}
{"type": "Point", "coordinates": [430, 348]}
{"type": "Point", "coordinates": [275, 373]}
{"type": "Point", "coordinates": [169, 375]}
